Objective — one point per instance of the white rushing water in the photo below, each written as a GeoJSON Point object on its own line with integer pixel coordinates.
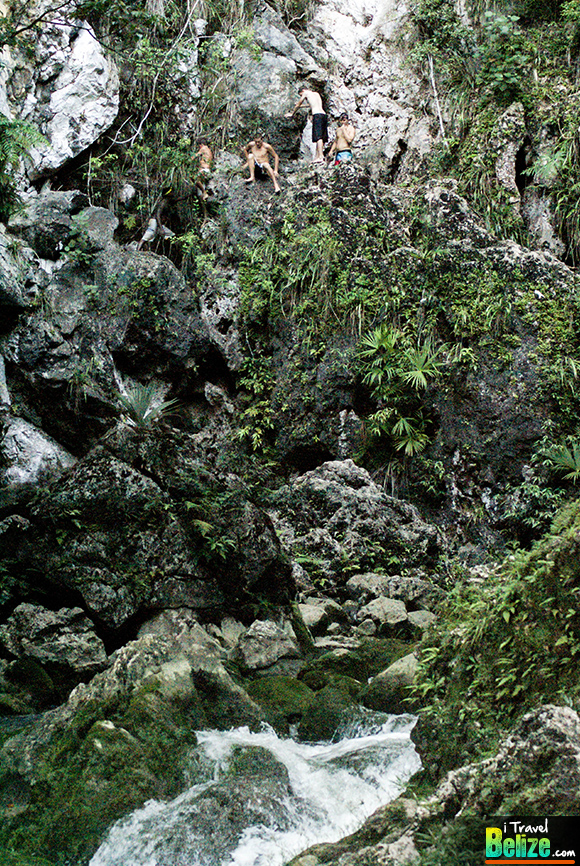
{"type": "Point", "coordinates": [298, 794]}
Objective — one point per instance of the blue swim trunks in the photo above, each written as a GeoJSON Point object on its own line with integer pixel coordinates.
{"type": "Point", "coordinates": [343, 156]}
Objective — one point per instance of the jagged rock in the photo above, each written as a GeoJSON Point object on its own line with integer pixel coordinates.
{"type": "Point", "coordinates": [128, 544]}
{"type": "Point", "coordinates": [64, 638]}
{"type": "Point", "coordinates": [538, 212]}
{"type": "Point", "coordinates": [272, 34]}
{"type": "Point", "coordinates": [264, 643]}
{"type": "Point", "coordinates": [507, 138]}
{"type": "Point", "coordinates": [174, 666]}
{"type": "Point", "coordinates": [47, 221]}
{"type": "Point", "coordinates": [336, 513]}
{"type": "Point", "coordinates": [15, 295]}
{"type": "Point", "coordinates": [407, 588]}
{"type": "Point", "coordinates": [99, 224]}
{"type": "Point", "coordinates": [388, 692]}
{"type": "Point", "coordinates": [28, 454]}
{"type": "Point", "coordinates": [319, 614]}
{"type": "Point", "coordinates": [389, 615]}
{"type": "Point", "coordinates": [366, 627]}
{"type": "Point", "coordinates": [68, 88]}
{"type": "Point", "coordinates": [121, 726]}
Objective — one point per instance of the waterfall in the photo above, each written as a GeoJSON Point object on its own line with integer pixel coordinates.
{"type": "Point", "coordinates": [258, 800]}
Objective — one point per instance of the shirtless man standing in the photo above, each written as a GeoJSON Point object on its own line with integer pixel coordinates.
{"type": "Point", "coordinates": [319, 120]}
{"type": "Point", "coordinates": [344, 138]}
{"type": "Point", "coordinates": [257, 157]}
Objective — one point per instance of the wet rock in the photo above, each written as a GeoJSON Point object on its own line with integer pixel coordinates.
{"type": "Point", "coordinates": [63, 638]}
{"type": "Point", "coordinates": [388, 692]}
{"type": "Point", "coordinates": [264, 643]}
{"type": "Point", "coordinates": [285, 700]}
{"type": "Point", "coordinates": [330, 708]}
{"type": "Point", "coordinates": [364, 658]}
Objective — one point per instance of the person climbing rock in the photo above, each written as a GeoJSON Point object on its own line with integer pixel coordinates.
{"type": "Point", "coordinates": [257, 154]}
{"type": "Point", "coordinates": [319, 120]}
{"type": "Point", "coordinates": [205, 157]}
{"type": "Point", "coordinates": [155, 227]}
{"type": "Point", "coordinates": [341, 146]}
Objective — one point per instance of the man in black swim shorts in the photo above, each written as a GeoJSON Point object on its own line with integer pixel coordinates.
{"type": "Point", "coordinates": [319, 120]}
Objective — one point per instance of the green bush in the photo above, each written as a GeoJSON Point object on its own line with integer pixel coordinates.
{"type": "Point", "coordinates": [504, 646]}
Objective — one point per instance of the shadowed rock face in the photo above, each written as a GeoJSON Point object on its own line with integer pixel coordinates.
{"type": "Point", "coordinates": [166, 534]}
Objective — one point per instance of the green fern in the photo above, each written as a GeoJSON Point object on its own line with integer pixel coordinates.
{"type": "Point", "coordinates": [565, 460]}
{"type": "Point", "coordinates": [16, 139]}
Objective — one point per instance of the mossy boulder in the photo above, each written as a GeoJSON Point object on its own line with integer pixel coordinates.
{"type": "Point", "coordinates": [368, 658]}
{"type": "Point", "coordinates": [389, 691]}
{"type": "Point", "coordinates": [330, 709]}
{"type": "Point", "coordinates": [284, 700]}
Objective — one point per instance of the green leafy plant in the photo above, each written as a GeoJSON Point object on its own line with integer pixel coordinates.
{"type": "Point", "coordinates": [140, 407]}
{"type": "Point", "coordinates": [502, 57]}
{"type": "Point", "coordinates": [397, 373]}
{"type": "Point", "coordinates": [565, 460]}
{"type": "Point", "coordinates": [16, 139]}
{"type": "Point", "coordinates": [505, 645]}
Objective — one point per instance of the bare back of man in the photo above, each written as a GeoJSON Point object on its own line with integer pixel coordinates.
{"type": "Point", "coordinates": [258, 154]}
{"type": "Point", "coordinates": [319, 120]}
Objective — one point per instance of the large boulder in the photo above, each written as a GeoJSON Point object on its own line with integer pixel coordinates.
{"type": "Point", "coordinates": [48, 221]}
{"type": "Point", "coordinates": [63, 638]}
{"type": "Point", "coordinates": [389, 615]}
{"type": "Point", "coordinates": [264, 643]}
{"type": "Point", "coordinates": [414, 591]}
{"type": "Point", "coordinates": [336, 516]}
{"type": "Point", "coordinates": [65, 85]}
{"type": "Point", "coordinates": [142, 523]}
{"type": "Point", "coordinates": [29, 455]}
{"type": "Point", "coordinates": [389, 691]}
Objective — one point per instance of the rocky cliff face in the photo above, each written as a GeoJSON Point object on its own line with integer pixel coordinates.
{"type": "Point", "coordinates": [340, 396]}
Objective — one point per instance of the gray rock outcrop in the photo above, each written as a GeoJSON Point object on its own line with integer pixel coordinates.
{"type": "Point", "coordinates": [69, 88]}
{"type": "Point", "coordinates": [64, 638]}
{"type": "Point", "coordinates": [336, 515]}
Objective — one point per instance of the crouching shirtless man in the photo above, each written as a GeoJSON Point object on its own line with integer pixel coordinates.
{"type": "Point", "coordinates": [257, 156]}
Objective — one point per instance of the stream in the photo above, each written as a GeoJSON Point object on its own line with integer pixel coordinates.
{"type": "Point", "coordinates": [258, 800]}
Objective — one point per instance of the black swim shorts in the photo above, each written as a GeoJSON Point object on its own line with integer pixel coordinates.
{"type": "Point", "coordinates": [319, 127]}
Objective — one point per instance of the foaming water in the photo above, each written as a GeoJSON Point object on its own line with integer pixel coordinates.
{"type": "Point", "coordinates": [267, 799]}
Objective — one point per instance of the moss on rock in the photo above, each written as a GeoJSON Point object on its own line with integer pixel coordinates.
{"type": "Point", "coordinates": [284, 699]}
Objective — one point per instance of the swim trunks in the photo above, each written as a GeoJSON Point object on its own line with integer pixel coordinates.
{"type": "Point", "coordinates": [342, 156]}
{"type": "Point", "coordinates": [319, 127]}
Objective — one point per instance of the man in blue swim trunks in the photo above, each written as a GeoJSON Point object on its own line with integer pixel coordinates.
{"type": "Point", "coordinates": [341, 146]}
{"type": "Point", "coordinates": [319, 120]}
